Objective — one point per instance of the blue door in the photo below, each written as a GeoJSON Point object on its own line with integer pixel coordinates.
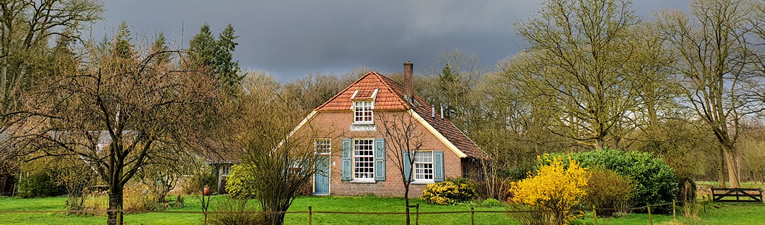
{"type": "Point", "coordinates": [321, 177]}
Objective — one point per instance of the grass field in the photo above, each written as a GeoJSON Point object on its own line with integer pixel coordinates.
{"type": "Point", "coordinates": [727, 214]}
{"type": "Point", "coordinates": [743, 184]}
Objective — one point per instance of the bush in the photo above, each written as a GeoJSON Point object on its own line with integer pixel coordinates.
{"type": "Point", "coordinates": [239, 183]}
{"type": "Point", "coordinates": [451, 191]}
{"type": "Point", "coordinates": [686, 190]}
{"type": "Point", "coordinates": [206, 176]}
{"type": "Point", "coordinates": [607, 189]}
{"type": "Point", "coordinates": [38, 183]}
{"type": "Point", "coordinates": [653, 181]}
{"type": "Point", "coordinates": [530, 215]}
{"type": "Point", "coordinates": [553, 187]}
{"type": "Point", "coordinates": [490, 202]}
{"type": "Point", "coordinates": [138, 198]}
{"type": "Point", "coordinates": [239, 213]}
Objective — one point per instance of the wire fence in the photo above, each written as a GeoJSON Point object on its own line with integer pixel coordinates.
{"type": "Point", "coordinates": [415, 214]}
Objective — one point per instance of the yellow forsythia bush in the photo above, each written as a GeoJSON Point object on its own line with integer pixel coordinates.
{"type": "Point", "coordinates": [553, 187]}
{"type": "Point", "coordinates": [448, 192]}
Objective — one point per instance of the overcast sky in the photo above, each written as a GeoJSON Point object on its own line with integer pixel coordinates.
{"type": "Point", "coordinates": [291, 39]}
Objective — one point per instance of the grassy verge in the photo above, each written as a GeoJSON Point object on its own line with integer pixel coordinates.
{"type": "Point", "coordinates": [727, 214]}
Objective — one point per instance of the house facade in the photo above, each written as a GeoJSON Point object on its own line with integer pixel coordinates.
{"type": "Point", "coordinates": [355, 156]}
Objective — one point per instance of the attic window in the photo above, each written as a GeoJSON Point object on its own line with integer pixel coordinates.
{"type": "Point", "coordinates": [362, 112]}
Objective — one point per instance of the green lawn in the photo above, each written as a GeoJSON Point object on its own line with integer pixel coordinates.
{"type": "Point", "coordinates": [743, 184]}
{"type": "Point", "coordinates": [727, 214]}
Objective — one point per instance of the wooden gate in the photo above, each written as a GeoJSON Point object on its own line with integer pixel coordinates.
{"type": "Point", "coordinates": [741, 194]}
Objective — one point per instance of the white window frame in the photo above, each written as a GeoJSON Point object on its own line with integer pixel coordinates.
{"type": "Point", "coordinates": [423, 171]}
{"type": "Point", "coordinates": [226, 170]}
{"type": "Point", "coordinates": [361, 107]}
{"type": "Point", "coordinates": [371, 162]}
{"type": "Point", "coordinates": [327, 145]}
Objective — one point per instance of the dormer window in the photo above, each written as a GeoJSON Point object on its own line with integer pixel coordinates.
{"type": "Point", "coordinates": [362, 112]}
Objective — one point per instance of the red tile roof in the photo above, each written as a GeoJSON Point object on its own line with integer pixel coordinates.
{"type": "Point", "coordinates": [390, 97]}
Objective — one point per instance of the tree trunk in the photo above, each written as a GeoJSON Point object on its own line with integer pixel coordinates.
{"type": "Point", "coordinates": [115, 203]}
{"type": "Point", "coordinates": [730, 160]}
{"type": "Point", "coordinates": [721, 169]}
{"type": "Point", "coordinates": [406, 199]}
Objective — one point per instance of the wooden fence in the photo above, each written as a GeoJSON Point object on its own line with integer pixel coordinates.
{"type": "Point", "coordinates": [415, 214]}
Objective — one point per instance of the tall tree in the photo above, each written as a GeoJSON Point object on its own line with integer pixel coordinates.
{"type": "Point", "coordinates": [216, 56]}
{"type": "Point", "coordinates": [202, 47]}
{"type": "Point", "coordinates": [114, 113]}
{"type": "Point", "coordinates": [713, 63]}
{"type": "Point", "coordinates": [26, 29]}
{"type": "Point", "coordinates": [225, 67]}
{"type": "Point", "coordinates": [577, 52]}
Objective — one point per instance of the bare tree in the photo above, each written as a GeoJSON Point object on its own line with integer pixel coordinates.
{"type": "Point", "coordinates": [280, 159]}
{"type": "Point", "coordinates": [714, 70]}
{"type": "Point", "coordinates": [115, 112]}
{"type": "Point", "coordinates": [577, 66]}
{"type": "Point", "coordinates": [403, 140]}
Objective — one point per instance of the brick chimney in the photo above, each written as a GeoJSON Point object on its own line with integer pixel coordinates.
{"type": "Point", "coordinates": [408, 80]}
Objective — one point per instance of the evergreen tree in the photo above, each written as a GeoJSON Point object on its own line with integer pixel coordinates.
{"type": "Point", "coordinates": [202, 47]}
{"type": "Point", "coordinates": [159, 45]}
{"type": "Point", "coordinates": [225, 67]}
{"type": "Point", "coordinates": [122, 47]}
{"type": "Point", "coordinates": [217, 56]}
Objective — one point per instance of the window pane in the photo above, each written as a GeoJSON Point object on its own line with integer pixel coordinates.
{"type": "Point", "coordinates": [362, 111]}
{"type": "Point", "coordinates": [363, 158]}
{"type": "Point", "coordinates": [423, 164]}
{"type": "Point", "coordinates": [322, 145]}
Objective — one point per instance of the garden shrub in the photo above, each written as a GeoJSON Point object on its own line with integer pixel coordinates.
{"type": "Point", "coordinates": [686, 190]}
{"type": "Point", "coordinates": [451, 191]}
{"type": "Point", "coordinates": [239, 183]}
{"type": "Point", "coordinates": [529, 215]}
{"type": "Point", "coordinates": [653, 181]}
{"type": "Point", "coordinates": [553, 187]}
{"type": "Point", "coordinates": [607, 189]}
{"type": "Point", "coordinates": [137, 197]}
{"type": "Point", "coordinates": [206, 176]}
{"type": "Point", "coordinates": [38, 183]}
{"type": "Point", "coordinates": [490, 202]}
{"type": "Point", "coordinates": [237, 213]}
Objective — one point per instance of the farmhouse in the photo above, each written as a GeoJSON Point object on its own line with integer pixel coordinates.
{"type": "Point", "coordinates": [352, 143]}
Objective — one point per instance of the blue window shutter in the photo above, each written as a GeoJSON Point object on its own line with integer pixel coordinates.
{"type": "Point", "coordinates": [345, 160]}
{"type": "Point", "coordinates": [438, 166]}
{"type": "Point", "coordinates": [380, 159]}
{"type": "Point", "coordinates": [407, 165]}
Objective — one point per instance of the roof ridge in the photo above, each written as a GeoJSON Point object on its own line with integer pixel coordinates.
{"type": "Point", "coordinates": [344, 89]}
{"type": "Point", "coordinates": [380, 77]}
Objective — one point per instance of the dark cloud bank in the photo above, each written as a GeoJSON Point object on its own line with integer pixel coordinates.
{"type": "Point", "coordinates": [291, 39]}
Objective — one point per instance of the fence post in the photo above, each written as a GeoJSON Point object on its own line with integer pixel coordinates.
{"type": "Point", "coordinates": [417, 215]}
{"type": "Point", "coordinates": [674, 215]}
{"type": "Point", "coordinates": [594, 216]}
{"type": "Point", "coordinates": [472, 215]}
{"type": "Point", "coordinates": [310, 215]}
{"type": "Point", "coordinates": [650, 220]}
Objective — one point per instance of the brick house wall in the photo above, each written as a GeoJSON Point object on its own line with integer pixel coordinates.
{"type": "Point", "coordinates": [336, 126]}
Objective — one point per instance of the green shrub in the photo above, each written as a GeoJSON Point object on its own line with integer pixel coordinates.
{"type": "Point", "coordinates": [490, 202]}
{"type": "Point", "coordinates": [38, 183]}
{"type": "Point", "coordinates": [653, 181]}
{"type": "Point", "coordinates": [240, 183]}
{"type": "Point", "coordinates": [607, 189]}
{"type": "Point", "coordinates": [451, 191]}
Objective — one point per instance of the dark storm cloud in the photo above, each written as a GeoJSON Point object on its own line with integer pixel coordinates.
{"type": "Point", "coordinates": [291, 39]}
